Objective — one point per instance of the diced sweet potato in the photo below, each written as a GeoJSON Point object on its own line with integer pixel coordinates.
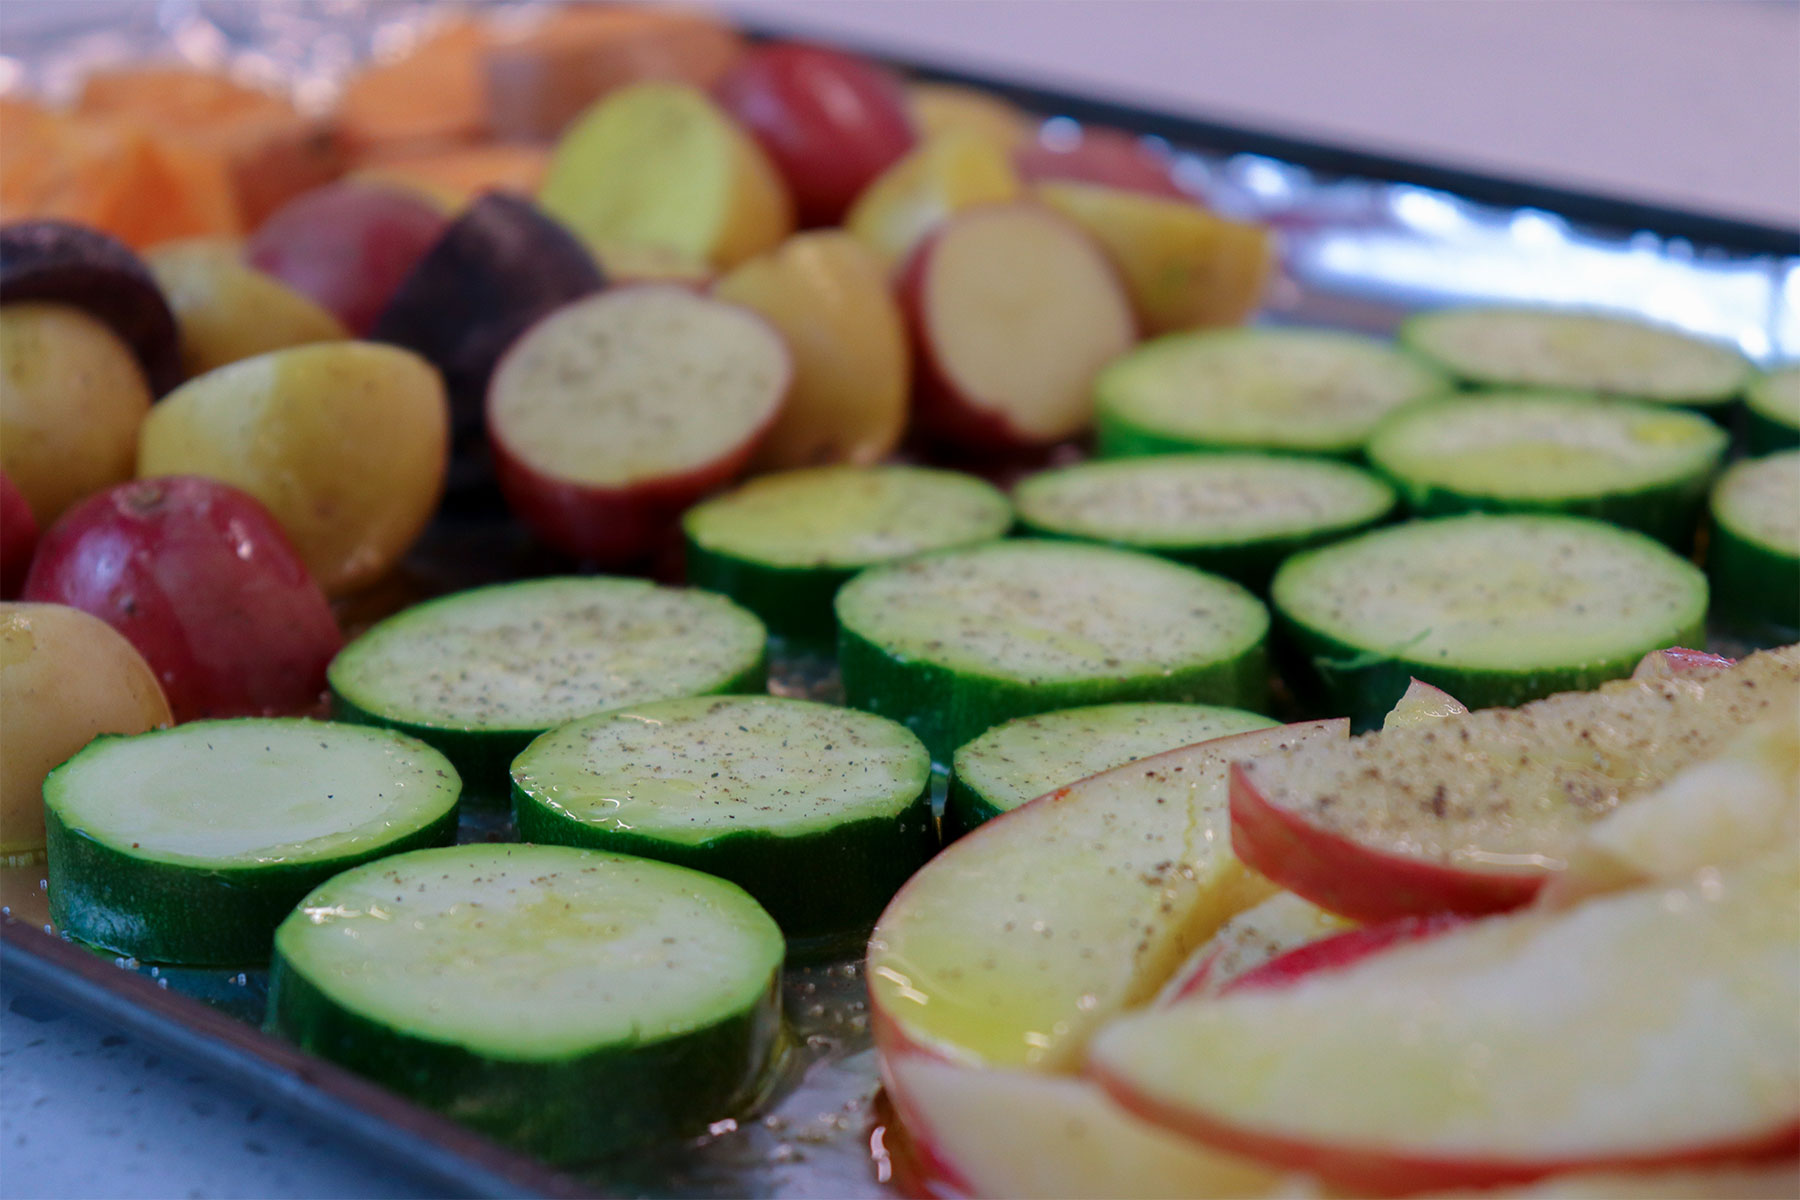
{"type": "Point", "coordinates": [455, 176]}
{"type": "Point", "coordinates": [435, 94]}
{"type": "Point", "coordinates": [538, 82]}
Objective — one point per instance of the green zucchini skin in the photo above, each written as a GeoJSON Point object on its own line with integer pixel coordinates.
{"type": "Point", "coordinates": [794, 602]}
{"type": "Point", "coordinates": [1118, 437]}
{"type": "Point", "coordinates": [824, 889]}
{"type": "Point", "coordinates": [1343, 680]}
{"type": "Point", "coordinates": [946, 707]}
{"type": "Point", "coordinates": [163, 913]}
{"type": "Point", "coordinates": [1252, 564]}
{"type": "Point", "coordinates": [1670, 513]}
{"type": "Point", "coordinates": [483, 757]}
{"type": "Point", "coordinates": [1757, 588]}
{"type": "Point", "coordinates": [1764, 434]}
{"type": "Point", "coordinates": [577, 1110]}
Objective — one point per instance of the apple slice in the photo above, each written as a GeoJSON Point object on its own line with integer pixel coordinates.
{"type": "Point", "coordinates": [984, 1132]}
{"type": "Point", "coordinates": [1727, 809]}
{"type": "Point", "coordinates": [614, 413]}
{"type": "Point", "coordinates": [1646, 1028]}
{"type": "Point", "coordinates": [1423, 703]}
{"type": "Point", "coordinates": [1339, 952]}
{"type": "Point", "coordinates": [1777, 1181]}
{"type": "Point", "coordinates": [1011, 947]}
{"type": "Point", "coordinates": [1659, 664]}
{"type": "Point", "coordinates": [1186, 268]}
{"type": "Point", "coordinates": [1252, 938]}
{"type": "Point", "coordinates": [1013, 310]}
{"type": "Point", "coordinates": [1472, 813]}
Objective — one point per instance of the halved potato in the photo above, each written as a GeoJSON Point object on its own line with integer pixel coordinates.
{"type": "Point", "coordinates": [227, 309]}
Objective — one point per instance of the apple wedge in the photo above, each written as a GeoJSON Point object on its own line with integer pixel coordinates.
{"type": "Point", "coordinates": [1422, 703]}
{"type": "Point", "coordinates": [1243, 944]}
{"type": "Point", "coordinates": [1727, 809]}
{"type": "Point", "coordinates": [1472, 813]}
{"type": "Point", "coordinates": [1776, 1181]}
{"type": "Point", "coordinates": [1011, 947]}
{"type": "Point", "coordinates": [1013, 310]}
{"type": "Point", "coordinates": [1659, 664]}
{"type": "Point", "coordinates": [984, 1132]}
{"type": "Point", "coordinates": [613, 414]}
{"type": "Point", "coordinates": [1647, 1028]}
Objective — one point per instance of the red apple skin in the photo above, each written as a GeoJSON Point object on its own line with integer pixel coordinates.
{"type": "Point", "coordinates": [202, 581]}
{"type": "Point", "coordinates": [1675, 660]}
{"type": "Point", "coordinates": [1338, 952]}
{"type": "Point", "coordinates": [1358, 881]}
{"type": "Point", "coordinates": [1109, 157]}
{"type": "Point", "coordinates": [830, 121]}
{"type": "Point", "coordinates": [348, 246]}
{"type": "Point", "coordinates": [940, 412]}
{"type": "Point", "coordinates": [1369, 1170]}
{"type": "Point", "coordinates": [18, 538]}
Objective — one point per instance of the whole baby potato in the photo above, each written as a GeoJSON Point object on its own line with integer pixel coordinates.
{"type": "Point", "coordinates": [226, 309]}
{"type": "Point", "coordinates": [72, 397]}
{"type": "Point", "coordinates": [345, 443]}
{"type": "Point", "coordinates": [65, 678]}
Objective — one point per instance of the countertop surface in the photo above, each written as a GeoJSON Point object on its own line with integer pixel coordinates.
{"type": "Point", "coordinates": [1694, 104]}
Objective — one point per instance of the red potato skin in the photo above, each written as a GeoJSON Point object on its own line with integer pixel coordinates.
{"type": "Point", "coordinates": [830, 121]}
{"type": "Point", "coordinates": [1109, 157]}
{"type": "Point", "coordinates": [202, 581]}
{"type": "Point", "coordinates": [348, 246]}
{"type": "Point", "coordinates": [941, 413]}
{"type": "Point", "coordinates": [18, 538]}
{"type": "Point", "coordinates": [1372, 1171]}
{"type": "Point", "coordinates": [1356, 881]}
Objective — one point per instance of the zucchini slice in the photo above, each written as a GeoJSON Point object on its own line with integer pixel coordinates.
{"type": "Point", "coordinates": [1237, 515]}
{"type": "Point", "coordinates": [189, 845]}
{"type": "Point", "coordinates": [819, 812]}
{"type": "Point", "coordinates": [479, 674]}
{"type": "Point", "coordinates": [1753, 556]}
{"type": "Point", "coordinates": [1613, 354]}
{"type": "Point", "coordinates": [1772, 406]}
{"type": "Point", "coordinates": [1495, 610]}
{"type": "Point", "coordinates": [1028, 757]}
{"type": "Point", "coordinates": [782, 545]}
{"type": "Point", "coordinates": [1643, 466]}
{"type": "Point", "coordinates": [568, 1003]}
{"type": "Point", "coordinates": [1302, 391]}
{"type": "Point", "coordinates": [955, 642]}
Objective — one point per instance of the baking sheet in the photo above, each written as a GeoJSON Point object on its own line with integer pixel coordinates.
{"type": "Point", "coordinates": [1364, 240]}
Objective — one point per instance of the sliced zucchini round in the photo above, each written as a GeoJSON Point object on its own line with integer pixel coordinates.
{"type": "Point", "coordinates": [1643, 466]}
{"type": "Point", "coordinates": [819, 812]}
{"type": "Point", "coordinates": [783, 544]}
{"type": "Point", "coordinates": [1495, 610]}
{"type": "Point", "coordinates": [1027, 757]}
{"type": "Point", "coordinates": [1753, 556]}
{"type": "Point", "coordinates": [1611, 353]}
{"type": "Point", "coordinates": [1305, 391]}
{"type": "Point", "coordinates": [1237, 515]}
{"type": "Point", "coordinates": [189, 845]}
{"type": "Point", "coordinates": [478, 674]}
{"type": "Point", "coordinates": [568, 1003]}
{"type": "Point", "coordinates": [1773, 408]}
{"type": "Point", "coordinates": [955, 642]}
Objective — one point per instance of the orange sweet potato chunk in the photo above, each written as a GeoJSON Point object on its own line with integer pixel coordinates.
{"type": "Point", "coordinates": [453, 177]}
{"type": "Point", "coordinates": [435, 94]}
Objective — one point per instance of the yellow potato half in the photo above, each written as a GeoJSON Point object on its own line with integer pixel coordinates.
{"type": "Point", "coordinates": [942, 176]}
{"type": "Point", "coordinates": [228, 310]}
{"type": "Point", "coordinates": [827, 294]}
{"type": "Point", "coordinates": [346, 443]}
{"type": "Point", "coordinates": [72, 397]}
{"type": "Point", "coordinates": [65, 678]}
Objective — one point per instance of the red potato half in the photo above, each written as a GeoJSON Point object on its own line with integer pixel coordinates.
{"type": "Point", "coordinates": [1647, 1028]}
{"type": "Point", "coordinates": [202, 581]}
{"type": "Point", "coordinates": [1096, 154]}
{"type": "Point", "coordinates": [612, 415]}
{"type": "Point", "coordinates": [1012, 310]}
{"type": "Point", "coordinates": [831, 122]}
{"type": "Point", "coordinates": [1473, 813]}
{"type": "Point", "coordinates": [18, 538]}
{"type": "Point", "coordinates": [1015, 944]}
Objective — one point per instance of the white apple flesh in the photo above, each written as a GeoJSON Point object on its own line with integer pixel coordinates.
{"type": "Point", "coordinates": [1644, 1028]}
